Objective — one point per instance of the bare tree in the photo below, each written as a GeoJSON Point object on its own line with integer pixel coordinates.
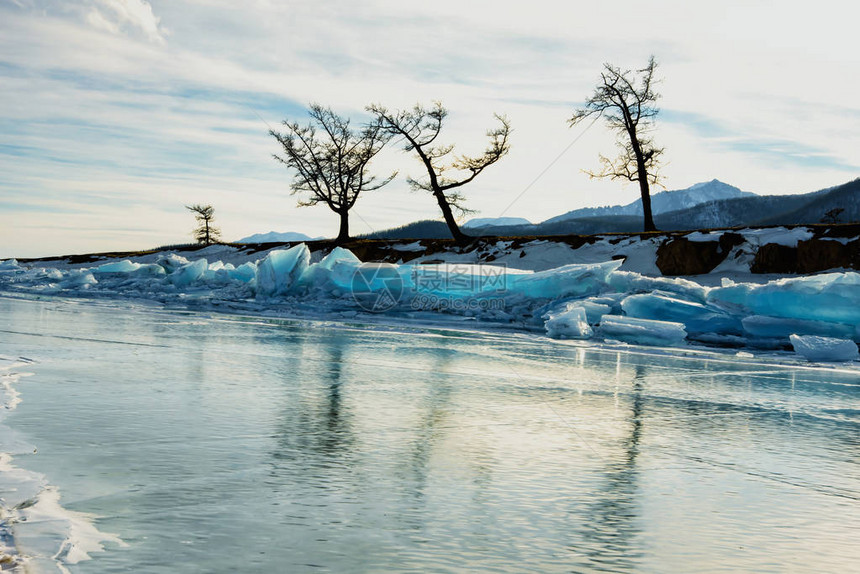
{"type": "Point", "coordinates": [832, 216]}
{"type": "Point", "coordinates": [629, 109]}
{"type": "Point", "coordinates": [331, 160]}
{"type": "Point", "coordinates": [419, 128]}
{"type": "Point", "coordinates": [205, 232]}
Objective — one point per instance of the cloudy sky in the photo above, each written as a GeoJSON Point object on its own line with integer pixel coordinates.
{"type": "Point", "coordinates": [116, 113]}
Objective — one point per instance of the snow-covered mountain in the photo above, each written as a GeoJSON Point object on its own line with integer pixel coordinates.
{"type": "Point", "coordinates": [495, 222]}
{"type": "Point", "coordinates": [662, 202]}
{"type": "Point", "coordinates": [274, 237]}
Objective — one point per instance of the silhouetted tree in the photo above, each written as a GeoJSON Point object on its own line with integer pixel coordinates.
{"type": "Point", "coordinates": [629, 109]}
{"type": "Point", "coordinates": [419, 128]}
{"type": "Point", "coordinates": [331, 160]}
{"type": "Point", "coordinates": [832, 215]}
{"type": "Point", "coordinates": [205, 232]}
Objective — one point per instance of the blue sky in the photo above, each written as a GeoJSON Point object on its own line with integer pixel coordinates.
{"type": "Point", "coordinates": [116, 113]}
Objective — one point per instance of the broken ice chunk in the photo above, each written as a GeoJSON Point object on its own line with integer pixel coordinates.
{"type": "Point", "coordinates": [781, 327]}
{"type": "Point", "coordinates": [824, 348]}
{"type": "Point", "coordinates": [697, 318]}
{"type": "Point", "coordinates": [78, 279]}
{"type": "Point", "coordinates": [281, 270]}
{"type": "Point", "coordinates": [126, 266]}
{"type": "Point", "coordinates": [570, 324]}
{"type": "Point", "coordinates": [642, 331]}
{"type": "Point", "coordinates": [832, 297]}
{"type": "Point", "coordinates": [189, 273]}
{"type": "Point", "coordinates": [630, 282]}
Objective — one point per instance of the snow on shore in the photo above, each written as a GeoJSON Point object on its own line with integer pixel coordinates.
{"type": "Point", "coordinates": [608, 291]}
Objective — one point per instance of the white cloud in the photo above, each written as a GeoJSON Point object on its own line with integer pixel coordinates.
{"type": "Point", "coordinates": [98, 21]}
{"type": "Point", "coordinates": [748, 72]}
{"type": "Point", "coordinates": [116, 15]}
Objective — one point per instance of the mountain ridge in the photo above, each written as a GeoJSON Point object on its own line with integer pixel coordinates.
{"type": "Point", "coordinates": [661, 202]}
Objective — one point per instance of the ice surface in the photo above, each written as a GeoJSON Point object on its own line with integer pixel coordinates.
{"type": "Point", "coordinates": [171, 261]}
{"type": "Point", "coordinates": [781, 328]}
{"type": "Point", "coordinates": [567, 301]}
{"type": "Point", "coordinates": [246, 272]}
{"type": "Point", "coordinates": [78, 279]}
{"type": "Point", "coordinates": [825, 348]}
{"type": "Point", "coordinates": [629, 282]}
{"type": "Point", "coordinates": [334, 273]}
{"type": "Point", "coordinates": [568, 281]}
{"type": "Point", "coordinates": [189, 273]}
{"type": "Point", "coordinates": [594, 307]}
{"type": "Point", "coordinates": [642, 331]}
{"type": "Point", "coordinates": [831, 297]}
{"type": "Point", "coordinates": [696, 317]}
{"type": "Point", "coordinates": [124, 266]}
{"type": "Point", "coordinates": [570, 324]}
{"type": "Point", "coordinates": [281, 270]}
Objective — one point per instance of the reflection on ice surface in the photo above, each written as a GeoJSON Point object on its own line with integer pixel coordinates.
{"type": "Point", "coordinates": [230, 444]}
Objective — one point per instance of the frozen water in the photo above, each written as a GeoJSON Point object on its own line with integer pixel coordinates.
{"type": "Point", "coordinates": [568, 281]}
{"type": "Point", "coordinates": [570, 324]}
{"type": "Point", "coordinates": [825, 348]}
{"type": "Point", "coordinates": [215, 443]}
{"type": "Point", "coordinates": [281, 270]}
{"type": "Point", "coordinates": [781, 327]}
{"type": "Point", "coordinates": [189, 273]}
{"type": "Point", "coordinates": [124, 266]}
{"type": "Point", "coordinates": [734, 314]}
{"type": "Point", "coordinates": [78, 279]}
{"type": "Point", "coordinates": [831, 297]}
{"type": "Point", "coordinates": [696, 317]}
{"type": "Point", "coordinates": [171, 261]}
{"type": "Point", "coordinates": [594, 307]}
{"type": "Point", "coordinates": [127, 267]}
{"type": "Point", "coordinates": [246, 272]}
{"type": "Point", "coordinates": [642, 331]}
{"type": "Point", "coordinates": [629, 282]}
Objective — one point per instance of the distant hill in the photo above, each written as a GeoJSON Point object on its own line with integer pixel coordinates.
{"type": "Point", "coordinates": [768, 209]}
{"type": "Point", "coordinates": [495, 222]}
{"type": "Point", "coordinates": [425, 229]}
{"type": "Point", "coordinates": [738, 209]}
{"type": "Point", "coordinates": [662, 202]}
{"type": "Point", "coordinates": [743, 210]}
{"type": "Point", "coordinates": [274, 236]}
{"type": "Point", "coordinates": [845, 197]}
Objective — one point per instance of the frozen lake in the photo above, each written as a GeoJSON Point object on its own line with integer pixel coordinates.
{"type": "Point", "coordinates": [229, 444]}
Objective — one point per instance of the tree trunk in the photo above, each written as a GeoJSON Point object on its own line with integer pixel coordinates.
{"type": "Point", "coordinates": [458, 235]}
{"type": "Point", "coordinates": [343, 234]}
{"type": "Point", "coordinates": [646, 202]}
{"type": "Point", "coordinates": [642, 174]}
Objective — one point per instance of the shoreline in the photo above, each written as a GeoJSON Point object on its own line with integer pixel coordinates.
{"type": "Point", "coordinates": [533, 287]}
{"type": "Point", "coordinates": [460, 326]}
{"type": "Point", "coordinates": [31, 498]}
